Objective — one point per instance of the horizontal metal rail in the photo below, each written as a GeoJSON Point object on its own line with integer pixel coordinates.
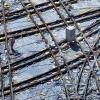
{"type": "Point", "coordinates": [21, 33]}
{"type": "Point", "coordinates": [43, 78]}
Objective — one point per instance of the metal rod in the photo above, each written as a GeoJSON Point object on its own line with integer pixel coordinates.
{"type": "Point", "coordinates": [52, 54]}
{"type": "Point", "coordinates": [7, 52]}
{"type": "Point", "coordinates": [1, 80]}
{"type": "Point", "coordinates": [40, 79]}
{"type": "Point", "coordinates": [82, 69]}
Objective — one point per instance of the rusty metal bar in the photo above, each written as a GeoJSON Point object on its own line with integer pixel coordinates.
{"type": "Point", "coordinates": [77, 27]}
{"type": "Point", "coordinates": [11, 16]}
{"type": "Point", "coordinates": [82, 69]}
{"type": "Point", "coordinates": [1, 80]}
{"type": "Point", "coordinates": [7, 52]}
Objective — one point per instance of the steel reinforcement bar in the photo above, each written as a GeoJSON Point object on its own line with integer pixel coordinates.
{"type": "Point", "coordinates": [7, 55]}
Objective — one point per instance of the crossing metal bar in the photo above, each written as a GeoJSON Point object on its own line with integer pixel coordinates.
{"type": "Point", "coordinates": [71, 19]}
{"type": "Point", "coordinates": [77, 27]}
{"type": "Point", "coordinates": [49, 31]}
{"type": "Point", "coordinates": [11, 16]}
{"type": "Point", "coordinates": [56, 63]}
{"type": "Point", "coordinates": [63, 18]}
{"type": "Point", "coordinates": [82, 34]}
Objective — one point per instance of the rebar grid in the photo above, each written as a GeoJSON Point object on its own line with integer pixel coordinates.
{"type": "Point", "coordinates": [83, 60]}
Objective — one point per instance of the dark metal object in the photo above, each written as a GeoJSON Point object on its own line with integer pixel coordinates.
{"type": "Point", "coordinates": [7, 52]}
{"type": "Point", "coordinates": [82, 69]}
{"type": "Point", "coordinates": [78, 28]}
{"type": "Point", "coordinates": [1, 80]}
{"type": "Point", "coordinates": [17, 65]}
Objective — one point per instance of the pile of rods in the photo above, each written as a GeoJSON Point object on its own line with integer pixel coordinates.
{"type": "Point", "coordinates": [50, 50]}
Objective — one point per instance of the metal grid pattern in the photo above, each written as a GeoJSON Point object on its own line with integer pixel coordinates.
{"type": "Point", "coordinates": [49, 68]}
